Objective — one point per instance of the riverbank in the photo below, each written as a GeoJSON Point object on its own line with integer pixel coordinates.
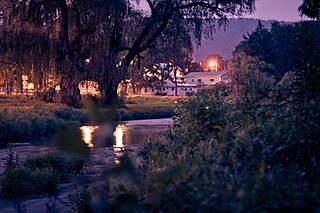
{"type": "Point", "coordinates": [67, 192]}
{"type": "Point", "coordinates": [23, 117]}
{"type": "Point", "coordinates": [97, 162]}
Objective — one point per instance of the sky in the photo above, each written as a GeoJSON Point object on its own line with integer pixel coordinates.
{"type": "Point", "coordinates": [281, 10]}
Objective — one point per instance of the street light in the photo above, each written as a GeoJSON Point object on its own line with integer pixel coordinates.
{"type": "Point", "coordinates": [87, 61]}
{"type": "Point", "coordinates": [213, 65]}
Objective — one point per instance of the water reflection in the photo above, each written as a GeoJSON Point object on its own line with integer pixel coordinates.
{"type": "Point", "coordinates": [87, 134]}
{"type": "Point", "coordinates": [119, 146]}
{"type": "Point", "coordinates": [124, 134]}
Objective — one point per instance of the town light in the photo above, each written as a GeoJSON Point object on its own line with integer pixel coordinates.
{"type": "Point", "coordinates": [87, 60]}
{"type": "Point", "coordinates": [212, 64]}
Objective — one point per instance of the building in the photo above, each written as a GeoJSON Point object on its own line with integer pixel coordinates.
{"type": "Point", "coordinates": [168, 88]}
{"type": "Point", "coordinates": [207, 78]}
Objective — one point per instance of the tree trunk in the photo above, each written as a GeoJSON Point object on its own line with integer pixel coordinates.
{"type": "Point", "coordinates": [109, 93]}
{"type": "Point", "coordinates": [69, 90]}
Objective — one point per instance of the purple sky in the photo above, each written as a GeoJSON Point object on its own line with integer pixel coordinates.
{"type": "Point", "coordinates": [282, 10]}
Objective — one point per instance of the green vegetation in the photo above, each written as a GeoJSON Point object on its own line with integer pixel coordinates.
{"type": "Point", "coordinates": [250, 146]}
{"type": "Point", "coordinates": [25, 118]}
{"type": "Point", "coordinates": [149, 107]}
{"type": "Point", "coordinates": [37, 175]}
{"type": "Point", "coordinates": [226, 156]}
{"type": "Point", "coordinates": [31, 119]}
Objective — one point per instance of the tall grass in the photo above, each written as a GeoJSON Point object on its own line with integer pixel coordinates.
{"type": "Point", "coordinates": [222, 156]}
{"type": "Point", "coordinates": [39, 174]}
{"type": "Point", "coordinates": [37, 121]}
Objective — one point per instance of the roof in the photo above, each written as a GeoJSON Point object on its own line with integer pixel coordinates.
{"type": "Point", "coordinates": [202, 74]}
{"type": "Point", "coordinates": [168, 83]}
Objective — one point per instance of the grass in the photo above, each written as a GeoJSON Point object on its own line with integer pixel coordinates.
{"type": "Point", "coordinates": [148, 107]}
{"type": "Point", "coordinates": [27, 117]}
{"type": "Point", "coordinates": [151, 103]}
{"type": "Point", "coordinates": [222, 156]}
{"type": "Point", "coordinates": [39, 174]}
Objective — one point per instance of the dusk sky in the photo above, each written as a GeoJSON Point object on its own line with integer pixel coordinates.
{"type": "Point", "coordinates": [282, 10]}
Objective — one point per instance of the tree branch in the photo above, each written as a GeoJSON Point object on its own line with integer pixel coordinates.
{"type": "Point", "coordinates": [195, 4]}
{"type": "Point", "coordinates": [151, 6]}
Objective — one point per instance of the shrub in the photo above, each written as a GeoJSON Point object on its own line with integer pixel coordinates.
{"type": "Point", "coordinates": [32, 122]}
{"type": "Point", "coordinates": [71, 114]}
{"type": "Point", "coordinates": [19, 181]}
{"type": "Point", "coordinates": [221, 158]}
{"type": "Point", "coordinates": [38, 175]}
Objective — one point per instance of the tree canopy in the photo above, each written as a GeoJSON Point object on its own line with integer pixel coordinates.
{"type": "Point", "coordinates": [109, 33]}
{"type": "Point", "coordinates": [310, 8]}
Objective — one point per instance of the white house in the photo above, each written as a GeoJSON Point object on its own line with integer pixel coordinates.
{"type": "Point", "coordinates": [207, 78]}
{"type": "Point", "coordinates": [168, 88]}
{"type": "Point", "coordinates": [182, 89]}
{"type": "Point", "coordinates": [194, 82]}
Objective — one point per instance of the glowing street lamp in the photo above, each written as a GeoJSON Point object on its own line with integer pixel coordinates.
{"type": "Point", "coordinates": [87, 61]}
{"type": "Point", "coordinates": [213, 65]}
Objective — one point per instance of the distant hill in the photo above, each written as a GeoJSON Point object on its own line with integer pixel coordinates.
{"type": "Point", "coordinates": [224, 41]}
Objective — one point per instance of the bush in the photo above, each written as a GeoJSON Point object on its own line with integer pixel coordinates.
{"type": "Point", "coordinates": [70, 114]}
{"type": "Point", "coordinates": [221, 157]}
{"type": "Point", "coordinates": [61, 163]}
{"type": "Point", "coordinates": [19, 181]}
{"type": "Point", "coordinates": [26, 123]}
{"type": "Point", "coordinates": [38, 175]}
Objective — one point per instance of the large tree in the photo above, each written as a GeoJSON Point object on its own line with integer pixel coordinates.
{"type": "Point", "coordinates": [75, 22]}
{"type": "Point", "coordinates": [194, 12]}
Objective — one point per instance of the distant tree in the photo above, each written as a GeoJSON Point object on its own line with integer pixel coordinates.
{"type": "Point", "coordinates": [280, 49]}
{"type": "Point", "coordinates": [273, 47]}
{"type": "Point", "coordinates": [257, 44]}
{"type": "Point", "coordinates": [306, 64]}
{"type": "Point", "coordinates": [249, 79]}
{"type": "Point", "coordinates": [310, 8]}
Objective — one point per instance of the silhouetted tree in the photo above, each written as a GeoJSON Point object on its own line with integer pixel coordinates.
{"type": "Point", "coordinates": [310, 8]}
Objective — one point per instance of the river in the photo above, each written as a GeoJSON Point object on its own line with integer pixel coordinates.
{"type": "Point", "coordinates": [106, 142]}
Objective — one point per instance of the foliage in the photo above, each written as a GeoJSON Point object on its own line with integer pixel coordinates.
{"type": "Point", "coordinates": [251, 146]}
{"type": "Point", "coordinates": [249, 77]}
{"type": "Point", "coordinates": [276, 47]}
{"type": "Point", "coordinates": [262, 162]}
{"type": "Point", "coordinates": [310, 8]}
{"type": "Point", "coordinates": [306, 64]}
{"type": "Point", "coordinates": [37, 121]}
{"type": "Point", "coordinates": [110, 34]}
{"type": "Point", "coordinates": [38, 175]}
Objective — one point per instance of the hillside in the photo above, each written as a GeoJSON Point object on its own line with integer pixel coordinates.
{"type": "Point", "coordinates": [224, 41]}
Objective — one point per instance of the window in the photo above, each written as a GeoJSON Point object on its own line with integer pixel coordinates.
{"type": "Point", "coordinates": [192, 80]}
{"type": "Point", "coordinates": [190, 89]}
{"type": "Point", "coordinates": [164, 89]}
{"type": "Point", "coordinates": [199, 80]}
{"type": "Point", "coordinates": [212, 80]}
{"type": "Point", "coordinates": [172, 89]}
